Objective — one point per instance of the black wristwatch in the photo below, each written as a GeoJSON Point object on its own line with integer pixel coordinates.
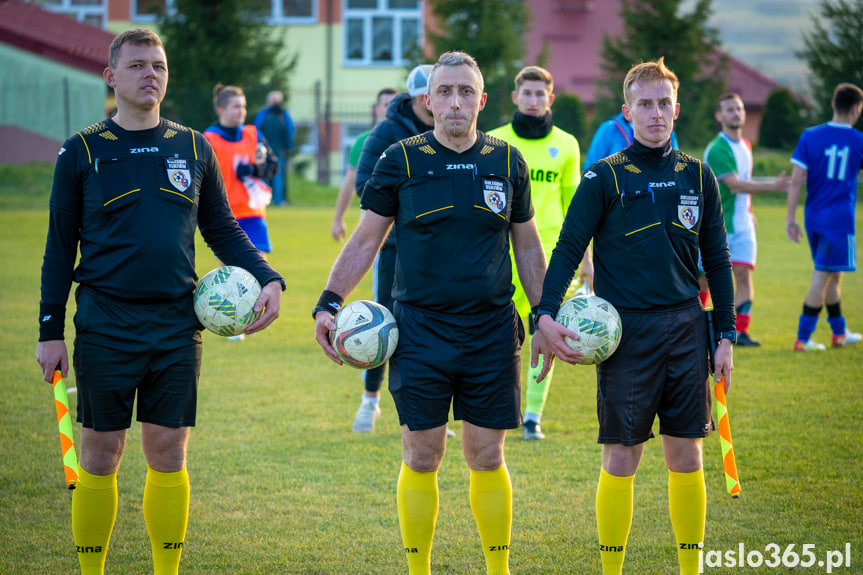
{"type": "Point", "coordinates": [729, 335]}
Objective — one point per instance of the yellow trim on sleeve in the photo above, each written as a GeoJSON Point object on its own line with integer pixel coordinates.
{"type": "Point", "coordinates": [613, 173]}
{"type": "Point", "coordinates": [86, 147]}
{"type": "Point", "coordinates": [194, 147]}
{"type": "Point", "coordinates": [408, 164]}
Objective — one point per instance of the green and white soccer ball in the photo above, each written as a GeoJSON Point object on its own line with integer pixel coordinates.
{"type": "Point", "coordinates": [225, 300]}
{"type": "Point", "coordinates": [597, 324]}
{"type": "Point", "coordinates": [366, 334]}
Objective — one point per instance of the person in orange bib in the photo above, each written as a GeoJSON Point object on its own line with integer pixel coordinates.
{"type": "Point", "coordinates": [246, 160]}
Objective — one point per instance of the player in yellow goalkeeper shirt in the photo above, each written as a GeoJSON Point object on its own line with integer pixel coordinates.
{"type": "Point", "coordinates": [553, 159]}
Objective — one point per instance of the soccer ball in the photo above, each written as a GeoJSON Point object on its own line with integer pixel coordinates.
{"type": "Point", "coordinates": [366, 334]}
{"type": "Point", "coordinates": [225, 300]}
{"type": "Point", "coordinates": [596, 322]}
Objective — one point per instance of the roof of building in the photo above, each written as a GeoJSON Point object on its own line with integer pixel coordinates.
{"type": "Point", "coordinates": [54, 36]}
{"type": "Point", "coordinates": [572, 31]}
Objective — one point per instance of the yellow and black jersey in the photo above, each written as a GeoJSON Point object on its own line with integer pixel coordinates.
{"type": "Point", "coordinates": [649, 212]}
{"type": "Point", "coordinates": [453, 213]}
{"type": "Point", "coordinates": [131, 200]}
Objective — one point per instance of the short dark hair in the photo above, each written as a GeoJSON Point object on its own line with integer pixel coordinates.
{"type": "Point", "coordinates": [135, 37]}
{"type": "Point", "coordinates": [222, 95]}
{"type": "Point", "coordinates": [726, 96]}
{"type": "Point", "coordinates": [846, 96]}
{"type": "Point", "coordinates": [535, 73]}
{"type": "Point", "coordinates": [385, 92]}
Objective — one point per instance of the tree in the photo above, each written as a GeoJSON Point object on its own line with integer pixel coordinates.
{"type": "Point", "coordinates": [834, 52]}
{"type": "Point", "coordinates": [654, 28]}
{"type": "Point", "coordinates": [782, 123]}
{"type": "Point", "coordinates": [226, 42]}
{"type": "Point", "coordinates": [492, 33]}
{"type": "Point", "coordinates": [569, 115]}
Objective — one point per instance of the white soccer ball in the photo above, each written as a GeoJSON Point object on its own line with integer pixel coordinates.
{"type": "Point", "coordinates": [597, 324]}
{"type": "Point", "coordinates": [225, 300]}
{"type": "Point", "coordinates": [366, 334]}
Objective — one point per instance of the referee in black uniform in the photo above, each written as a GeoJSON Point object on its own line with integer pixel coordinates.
{"type": "Point", "coordinates": [130, 192]}
{"type": "Point", "coordinates": [649, 209]}
{"type": "Point", "coordinates": [457, 197]}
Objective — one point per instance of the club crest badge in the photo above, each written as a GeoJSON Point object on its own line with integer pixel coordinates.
{"type": "Point", "coordinates": [553, 151]}
{"type": "Point", "coordinates": [688, 211]}
{"type": "Point", "coordinates": [179, 174]}
{"type": "Point", "coordinates": [494, 194]}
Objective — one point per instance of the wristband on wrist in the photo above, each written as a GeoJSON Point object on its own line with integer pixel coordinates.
{"type": "Point", "coordinates": [533, 320]}
{"type": "Point", "coordinates": [330, 302]}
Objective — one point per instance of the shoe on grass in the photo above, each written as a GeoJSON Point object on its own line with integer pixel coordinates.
{"type": "Point", "coordinates": [367, 414]}
{"type": "Point", "coordinates": [848, 338]}
{"type": "Point", "coordinates": [810, 345]}
{"type": "Point", "coordinates": [532, 430]}
{"type": "Point", "coordinates": [744, 340]}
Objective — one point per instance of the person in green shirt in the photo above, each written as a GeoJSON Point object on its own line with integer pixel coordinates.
{"type": "Point", "coordinates": [553, 159]}
{"type": "Point", "coordinates": [348, 189]}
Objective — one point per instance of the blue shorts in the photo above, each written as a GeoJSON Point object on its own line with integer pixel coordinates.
{"type": "Point", "coordinates": [471, 361]}
{"type": "Point", "coordinates": [831, 251]}
{"type": "Point", "coordinates": [126, 351]}
{"type": "Point", "coordinates": [659, 369]}
{"type": "Point", "coordinates": [256, 229]}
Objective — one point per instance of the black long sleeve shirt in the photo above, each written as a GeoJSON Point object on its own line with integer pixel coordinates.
{"type": "Point", "coordinates": [131, 201]}
{"type": "Point", "coordinates": [649, 211]}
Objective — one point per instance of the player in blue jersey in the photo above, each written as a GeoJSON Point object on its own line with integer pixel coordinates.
{"type": "Point", "coordinates": [828, 158]}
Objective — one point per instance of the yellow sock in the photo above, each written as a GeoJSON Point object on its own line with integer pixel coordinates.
{"type": "Point", "coordinates": [491, 503]}
{"type": "Point", "coordinates": [417, 496]}
{"type": "Point", "coordinates": [166, 513]}
{"type": "Point", "coordinates": [687, 504]}
{"type": "Point", "coordinates": [94, 509]}
{"type": "Point", "coordinates": [613, 519]}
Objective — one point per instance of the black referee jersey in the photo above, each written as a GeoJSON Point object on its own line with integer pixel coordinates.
{"type": "Point", "coordinates": [453, 213]}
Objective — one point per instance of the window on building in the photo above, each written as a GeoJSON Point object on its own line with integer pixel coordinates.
{"type": "Point", "coordinates": [381, 32]}
{"type": "Point", "coordinates": [278, 11]}
{"type": "Point", "coordinates": [93, 12]}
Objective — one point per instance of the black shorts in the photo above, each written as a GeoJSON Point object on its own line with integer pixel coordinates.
{"type": "Point", "coordinates": [471, 361]}
{"type": "Point", "coordinates": [660, 368]}
{"type": "Point", "coordinates": [122, 348]}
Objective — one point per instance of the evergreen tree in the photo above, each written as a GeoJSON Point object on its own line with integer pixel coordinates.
{"type": "Point", "coordinates": [492, 33]}
{"type": "Point", "coordinates": [654, 28]}
{"type": "Point", "coordinates": [782, 123]}
{"type": "Point", "coordinates": [569, 115]}
{"type": "Point", "coordinates": [834, 52]}
{"type": "Point", "coordinates": [226, 42]}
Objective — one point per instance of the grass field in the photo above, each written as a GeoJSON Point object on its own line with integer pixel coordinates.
{"type": "Point", "coordinates": [280, 485]}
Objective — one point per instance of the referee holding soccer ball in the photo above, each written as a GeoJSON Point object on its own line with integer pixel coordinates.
{"type": "Point", "coordinates": [130, 192]}
{"type": "Point", "coordinates": [649, 209]}
{"type": "Point", "coordinates": [457, 197]}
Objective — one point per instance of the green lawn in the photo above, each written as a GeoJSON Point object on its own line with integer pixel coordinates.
{"type": "Point", "coordinates": [280, 485]}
